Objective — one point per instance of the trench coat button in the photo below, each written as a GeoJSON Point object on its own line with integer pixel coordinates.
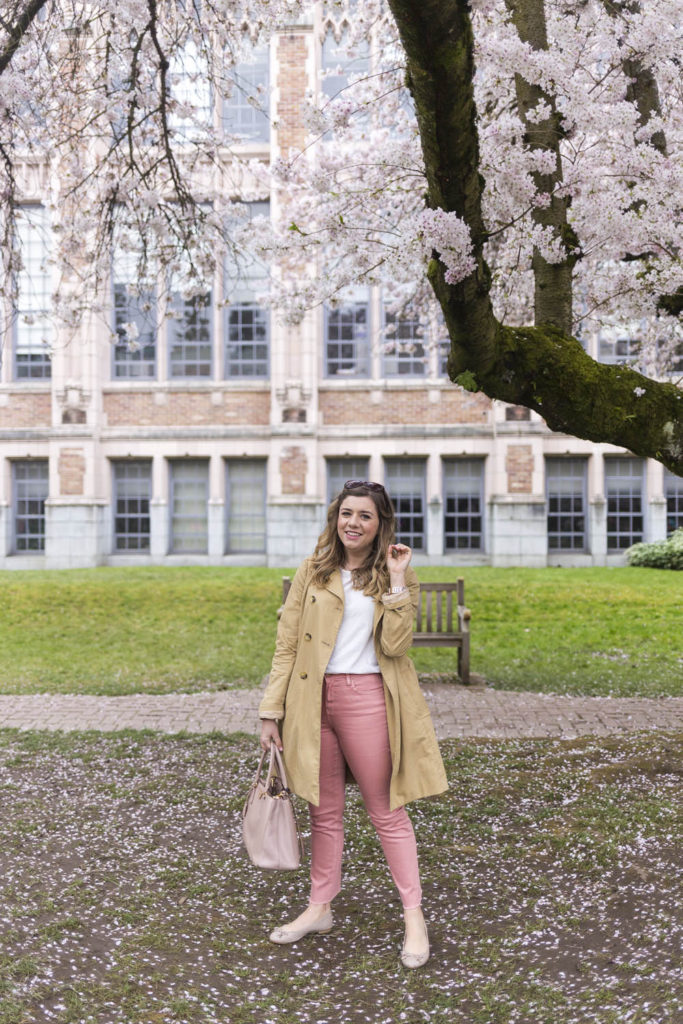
{"type": "Point", "coordinates": [307, 636]}
{"type": "Point", "coordinates": [313, 599]}
{"type": "Point", "coordinates": [303, 675]}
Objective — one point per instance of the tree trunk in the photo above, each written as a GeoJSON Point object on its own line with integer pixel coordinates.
{"type": "Point", "coordinates": [439, 46]}
{"type": "Point", "coordinates": [552, 281]}
{"type": "Point", "coordinates": [642, 87]}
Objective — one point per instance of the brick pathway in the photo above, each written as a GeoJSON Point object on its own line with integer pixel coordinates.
{"type": "Point", "coordinates": [457, 711]}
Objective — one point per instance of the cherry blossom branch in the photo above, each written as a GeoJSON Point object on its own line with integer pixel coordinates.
{"type": "Point", "coordinates": [16, 31]}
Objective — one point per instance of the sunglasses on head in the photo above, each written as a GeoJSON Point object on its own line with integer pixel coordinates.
{"type": "Point", "coordinates": [371, 486]}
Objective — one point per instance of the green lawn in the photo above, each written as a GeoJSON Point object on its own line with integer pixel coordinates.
{"type": "Point", "coordinates": [114, 631]}
{"type": "Point", "coordinates": [551, 874]}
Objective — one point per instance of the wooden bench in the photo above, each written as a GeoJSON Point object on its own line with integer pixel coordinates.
{"type": "Point", "coordinates": [441, 620]}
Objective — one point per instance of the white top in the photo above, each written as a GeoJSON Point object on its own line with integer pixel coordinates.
{"type": "Point", "coordinates": [354, 651]}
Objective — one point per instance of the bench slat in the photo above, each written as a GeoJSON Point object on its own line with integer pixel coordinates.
{"type": "Point", "coordinates": [428, 601]}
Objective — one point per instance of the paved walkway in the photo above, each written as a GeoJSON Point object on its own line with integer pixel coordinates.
{"type": "Point", "coordinates": [457, 711]}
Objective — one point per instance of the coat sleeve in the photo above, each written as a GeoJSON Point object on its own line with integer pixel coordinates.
{"type": "Point", "coordinates": [397, 621]}
{"type": "Point", "coordinates": [273, 702]}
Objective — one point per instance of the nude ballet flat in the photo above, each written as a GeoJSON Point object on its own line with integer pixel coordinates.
{"type": "Point", "coordinates": [283, 935]}
{"type": "Point", "coordinates": [414, 960]}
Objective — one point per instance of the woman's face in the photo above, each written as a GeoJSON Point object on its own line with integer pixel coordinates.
{"type": "Point", "coordinates": [357, 526]}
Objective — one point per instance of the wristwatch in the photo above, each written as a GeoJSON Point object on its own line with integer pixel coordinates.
{"type": "Point", "coordinates": [397, 590]}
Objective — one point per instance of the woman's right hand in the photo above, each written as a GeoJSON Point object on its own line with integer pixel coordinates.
{"type": "Point", "coordinates": [270, 731]}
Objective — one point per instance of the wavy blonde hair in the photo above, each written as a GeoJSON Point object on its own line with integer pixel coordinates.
{"type": "Point", "coordinates": [373, 577]}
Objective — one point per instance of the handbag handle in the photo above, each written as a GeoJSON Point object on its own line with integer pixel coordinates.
{"type": "Point", "coordinates": [275, 762]}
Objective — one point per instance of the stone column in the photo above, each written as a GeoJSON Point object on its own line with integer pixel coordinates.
{"type": "Point", "coordinates": [655, 523]}
{"type": "Point", "coordinates": [216, 547]}
{"type": "Point", "coordinates": [435, 526]}
{"type": "Point", "coordinates": [597, 519]}
{"type": "Point", "coordinates": [518, 531]}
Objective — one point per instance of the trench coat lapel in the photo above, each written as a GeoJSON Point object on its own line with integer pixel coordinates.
{"type": "Point", "coordinates": [335, 585]}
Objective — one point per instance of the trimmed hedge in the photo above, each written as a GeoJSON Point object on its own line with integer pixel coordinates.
{"type": "Point", "coordinates": [662, 554]}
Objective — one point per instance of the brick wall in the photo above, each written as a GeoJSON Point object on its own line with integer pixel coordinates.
{"type": "Point", "coordinates": [293, 464]}
{"type": "Point", "coordinates": [292, 84]}
{"type": "Point", "coordinates": [186, 408]}
{"type": "Point", "coordinates": [33, 410]}
{"type": "Point", "coordinates": [517, 413]}
{"type": "Point", "coordinates": [71, 471]}
{"type": "Point", "coordinates": [519, 464]}
{"type": "Point", "coordinates": [408, 407]}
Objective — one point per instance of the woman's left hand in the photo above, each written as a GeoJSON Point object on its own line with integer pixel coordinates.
{"type": "Point", "coordinates": [398, 558]}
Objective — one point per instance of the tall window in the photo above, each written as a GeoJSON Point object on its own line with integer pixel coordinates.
{"type": "Point", "coordinates": [624, 486]}
{"type": "Point", "coordinates": [246, 112]}
{"type": "Point", "coordinates": [677, 361]}
{"type": "Point", "coordinates": [190, 335]}
{"type": "Point", "coordinates": [189, 506]}
{"type": "Point", "coordinates": [246, 505]}
{"type": "Point", "coordinates": [341, 470]}
{"type": "Point", "coordinates": [438, 335]}
{"type": "Point", "coordinates": [404, 350]}
{"type": "Point", "coordinates": [405, 482]}
{"type": "Point", "coordinates": [342, 64]}
{"type": "Point", "coordinates": [33, 328]}
{"type": "Point", "coordinates": [463, 482]}
{"type": "Point", "coordinates": [566, 498]}
{"type": "Point", "coordinates": [190, 91]}
{"type": "Point", "coordinates": [347, 340]}
{"type": "Point", "coordinates": [132, 495]}
{"type": "Point", "coordinates": [617, 347]}
{"type": "Point", "coordinates": [443, 352]}
{"type": "Point", "coordinates": [247, 333]}
{"type": "Point", "coordinates": [246, 323]}
{"type": "Point", "coordinates": [135, 312]}
{"type": "Point", "coordinates": [673, 489]}
{"type": "Point", "coordinates": [30, 486]}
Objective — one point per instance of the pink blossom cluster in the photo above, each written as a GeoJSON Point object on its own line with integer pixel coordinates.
{"type": "Point", "coordinates": [449, 235]}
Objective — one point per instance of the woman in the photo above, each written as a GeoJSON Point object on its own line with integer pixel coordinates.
{"type": "Point", "coordinates": [343, 691]}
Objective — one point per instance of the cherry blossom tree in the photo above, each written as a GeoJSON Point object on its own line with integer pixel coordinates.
{"type": "Point", "coordinates": [609, 204]}
{"type": "Point", "coordinates": [112, 115]}
{"type": "Point", "coordinates": [507, 170]}
{"type": "Point", "coordinates": [541, 191]}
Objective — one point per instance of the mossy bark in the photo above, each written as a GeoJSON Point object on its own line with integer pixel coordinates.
{"type": "Point", "coordinates": [544, 369]}
{"type": "Point", "coordinates": [541, 367]}
{"type": "Point", "coordinates": [552, 281]}
{"type": "Point", "coordinates": [440, 48]}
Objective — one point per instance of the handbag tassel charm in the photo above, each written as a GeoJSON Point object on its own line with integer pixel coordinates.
{"type": "Point", "coordinates": [269, 827]}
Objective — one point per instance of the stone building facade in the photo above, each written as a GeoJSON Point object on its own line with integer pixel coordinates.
{"type": "Point", "coordinates": [221, 443]}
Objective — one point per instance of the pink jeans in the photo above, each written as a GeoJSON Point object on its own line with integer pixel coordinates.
{"type": "Point", "coordinates": [354, 731]}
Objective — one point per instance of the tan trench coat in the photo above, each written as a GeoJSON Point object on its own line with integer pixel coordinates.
{"type": "Point", "coordinates": [306, 636]}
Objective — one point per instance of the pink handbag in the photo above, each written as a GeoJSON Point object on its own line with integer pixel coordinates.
{"type": "Point", "coordinates": [269, 826]}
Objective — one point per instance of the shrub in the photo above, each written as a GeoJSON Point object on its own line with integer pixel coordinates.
{"type": "Point", "coordinates": [662, 554]}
